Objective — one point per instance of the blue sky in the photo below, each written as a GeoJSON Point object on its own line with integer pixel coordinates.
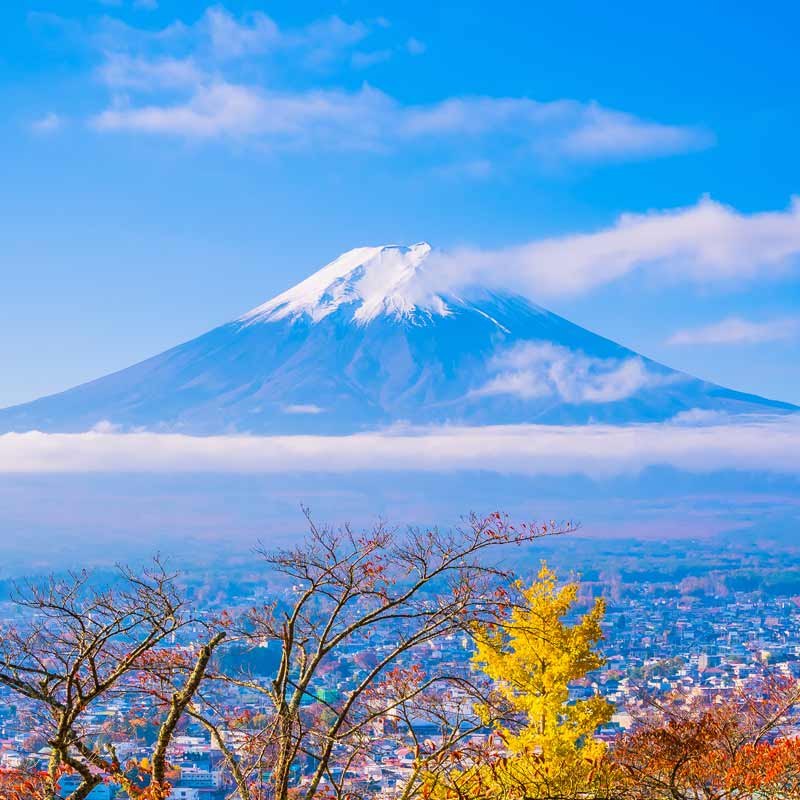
{"type": "Point", "coordinates": [169, 165]}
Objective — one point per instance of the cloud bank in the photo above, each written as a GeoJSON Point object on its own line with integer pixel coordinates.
{"type": "Point", "coordinates": [594, 450]}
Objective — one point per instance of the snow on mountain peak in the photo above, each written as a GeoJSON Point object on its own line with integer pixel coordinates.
{"type": "Point", "coordinates": [375, 280]}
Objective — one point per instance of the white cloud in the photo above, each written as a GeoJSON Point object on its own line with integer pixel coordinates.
{"type": "Point", "coordinates": [104, 426]}
{"type": "Point", "coordinates": [555, 129]}
{"type": "Point", "coordinates": [218, 37]}
{"type": "Point", "coordinates": [377, 120]}
{"type": "Point", "coordinates": [593, 450]}
{"type": "Point", "coordinates": [214, 109]}
{"type": "Point", "coordinates": [563, 129]}
{"type": "Point", "coordinates": [49, 123]}
{"type": "Point", "coordinates": [303, 408]}
{"type": "Point", "coordinates": [700, 416]}
{"type": "Point", "coordinates": [330, 117]}
{"type": "Point", "coordinates": [362, 60]}
{"type": "Point", "coordinates": [610, 134]}
{"type": "Point", "coordinates": [474, 169]}
{"type": "Point", "coordinates": [325, 39]}
{"type": "Point", "coordinates": [415, 46]}
{"type": "Point", "coordinates": [541, 369]}
{"type": "Point", "coordinates": [209, 59]}
{"type": "Point", "coordinates": [735, 330]}
{"type": "Point", "coordinates": [148, 5]}
{"type": "Point", "coordinates": [122, 71]}
{"type": "Point", "coordinates": [231, 38]}
{"type": "Point", "coordinates": [705, 243]}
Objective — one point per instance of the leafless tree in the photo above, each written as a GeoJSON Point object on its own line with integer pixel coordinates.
{"type": "Point", "coordinates": [77, 646]}
{"type": "Point", "coordinates": [393, 595]}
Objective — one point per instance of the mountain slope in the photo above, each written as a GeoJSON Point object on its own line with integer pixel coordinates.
{"type": "Point", "coordinates": [363, 343]}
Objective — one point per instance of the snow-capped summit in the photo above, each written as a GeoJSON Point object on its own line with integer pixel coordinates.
{"type": "Point", "coordinates": [370, 280]}
{"type": "Point", "coordinates": [365, 343]}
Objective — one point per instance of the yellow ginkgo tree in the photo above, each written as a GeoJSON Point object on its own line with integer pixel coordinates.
{"type": "Point", "coordinates": [548, 747]}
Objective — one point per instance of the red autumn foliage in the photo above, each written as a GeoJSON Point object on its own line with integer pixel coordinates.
{"type": "Point", "coordinates": [731, 747]}
{"type": "Point", "coordinates": [22, 784]}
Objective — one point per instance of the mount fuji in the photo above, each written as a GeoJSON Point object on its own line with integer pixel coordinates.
{"type": "Point", "coordinates": [366, 342]}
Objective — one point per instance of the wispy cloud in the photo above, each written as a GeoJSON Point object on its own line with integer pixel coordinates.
{"type": "Point", "coordinates": [415, 46]}
{"type": "Point", "coordinates": [216, 78]}
{"type": "Point", "coordinates": [540, 369]}
{"type": "Point", "coordinates": [364, 59]}
{"type": "Point", "coordinates": [735, 330]}
{"type": "Point", "coordinates": [123, 71]}
{"type": "Point", "coordinates": [607, 134]}
{"type": "Point", "coordinates": [218, 37]}
{"type": "Point", "coordinates": [475, 169]}
{"type": "Point", "coordinates": [303, 408]}
{"type": "Point", "coordinates": [49, 123]}
{"type": "Point", "coordinates": [567, 128]}
{"type": "Point", "coordinates": [231, 38]}
{"type": "Point", "coordinates": [148, 5]}
{"type": "Point", "coordinates": [706, 243]}
{"type": "Point", "coordinates": [593, 450]}
{"type": "Point", "coordinates": [325, 118]}
{"type": "Point", "coordinates": [563, 129]}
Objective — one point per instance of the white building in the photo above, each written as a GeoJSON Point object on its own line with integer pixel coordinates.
{"type": "Point", "coordinates": [184, 793]}
{"type": "Point", "coordinates": [200, 778]}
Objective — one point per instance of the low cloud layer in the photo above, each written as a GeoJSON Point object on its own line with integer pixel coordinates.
{"type": "Point", "coordinates": [593, 450]}
{"type": "Point", "coordinates": [708, 243]}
